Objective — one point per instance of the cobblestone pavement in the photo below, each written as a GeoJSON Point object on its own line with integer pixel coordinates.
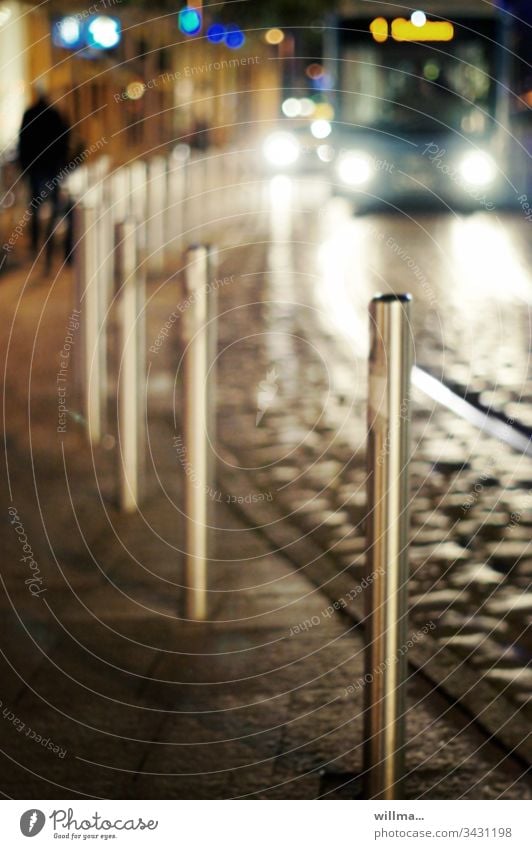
{"type": "Point", "coordinates": [471, 496]}
{"type": "Point", "coordinates": [107, 691]}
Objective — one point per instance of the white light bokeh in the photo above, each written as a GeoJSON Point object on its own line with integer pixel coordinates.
{"type": "Point", "coordinates": [281, 149]}
{"type": "Point", "coordinates": [355, 168]}
{"type": "Point", "coordinates": [418, 18]}
{"type": "Point", "coordinates": [320, 129]}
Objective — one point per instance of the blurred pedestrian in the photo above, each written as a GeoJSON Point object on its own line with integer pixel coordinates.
{"type": "Point", "coordinates": [43, 154]}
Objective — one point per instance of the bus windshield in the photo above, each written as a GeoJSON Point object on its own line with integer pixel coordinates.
{"type": "Point", "coordinates": [418, 88]}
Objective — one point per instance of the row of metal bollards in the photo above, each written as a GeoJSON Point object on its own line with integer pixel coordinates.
{"type": "Point", "coordinates": [176, 197]}
{"type": "Point", "coordinates": [94, 298]}
{"type": "Point", "coordinates": [386, 625]}
{"type": "Point", "coordinates": [388, 434]}
{"type": "Point", "coordinates": [128, 223]}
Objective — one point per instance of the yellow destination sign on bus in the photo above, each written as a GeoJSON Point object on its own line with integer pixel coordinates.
{"type": "Point", "coordinates": [403, 30]}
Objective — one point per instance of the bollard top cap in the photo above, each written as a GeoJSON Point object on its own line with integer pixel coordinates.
{"type": "Point", "coordinates": [390, 298]}
{"type": "Point", "coordinates": [197, 247]}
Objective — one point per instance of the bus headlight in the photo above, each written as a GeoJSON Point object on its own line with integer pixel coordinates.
{"type": "Point", "coordinates": [478, 168]}
{"type": "Point", "coordinates": [321, 128]}
{"type": "Point", "coordinates": [281, 149]}
{"type": "Point", "coordinates": [355, 168]}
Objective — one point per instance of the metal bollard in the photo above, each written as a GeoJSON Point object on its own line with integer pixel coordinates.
{"type": "Point", "coordinates": [214, 201]}
{"type": "Point", "coordinates": [156, 204]}
{"type": "Point", "coordinates": [195, 431]}
{"type": "Point", "coordinates": [77, 182]}
{"type": "Point", "coordinates": [106, 253]}
{"type": "Point", "coordinates": [137, 172]}
{"type": "Point", "coordinates": [195, 208]}
{"type": "Point", "coordinates": [119, 193]}
{"type": "Point", "coordinates": [132, 366]}
{"type": "Point", "coordinates": [177, 190]}
{"type": "Point", "coordinates": [212, 383]}
{"type": "Point", "coordinates": [387, 542]}
{"type": "Point", "coordinates": [91, 365]}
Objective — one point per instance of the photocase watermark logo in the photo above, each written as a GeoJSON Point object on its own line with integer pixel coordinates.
{"type": "Point", "coordinates": [32, 822]}
{"type": "Point", "coordinates": [268, 389]}
{"type": "Point", "coordinates": [64, 824]}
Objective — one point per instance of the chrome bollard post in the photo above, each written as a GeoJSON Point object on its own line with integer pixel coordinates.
{"type": "Point", "coordinates": [390, 365]}
{"type": "Point", "coordinates": [137, 190]}
{"type": "Point", "coordinates": [106, 250]}
{"type": "Point", "coordinates": [131, 366]}
{"type": "Point", "coordinates": [212, 384]}
{"type": "Point", "coordinates": [91, 369]}
{"type": "Point", "coordinates": [156, 204]}
{"type": "Point", "coordinates": [195, 431]}
{"type": "Point", "coordinates": [177, 191]}
{"type": "Point", "coordinates": [119, 193]}
{"type": "Point", "coordinates": [213, 208]}
{"type": "Point", "coordinates": [195, 208]}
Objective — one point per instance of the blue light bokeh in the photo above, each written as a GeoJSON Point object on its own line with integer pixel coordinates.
{"type": "Point", "coordinates": [216, 33]}
{"type": "Point", "coordinates": [234, 37]}
{"type": "Point", "coordinates": [189, 21]}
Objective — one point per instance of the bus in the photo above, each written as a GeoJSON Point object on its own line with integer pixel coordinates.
{"type": "Point", "coordinates": [421, 103]}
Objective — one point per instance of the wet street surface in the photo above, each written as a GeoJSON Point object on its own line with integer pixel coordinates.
{"type": "Point", "coordinates": [257, 702]}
